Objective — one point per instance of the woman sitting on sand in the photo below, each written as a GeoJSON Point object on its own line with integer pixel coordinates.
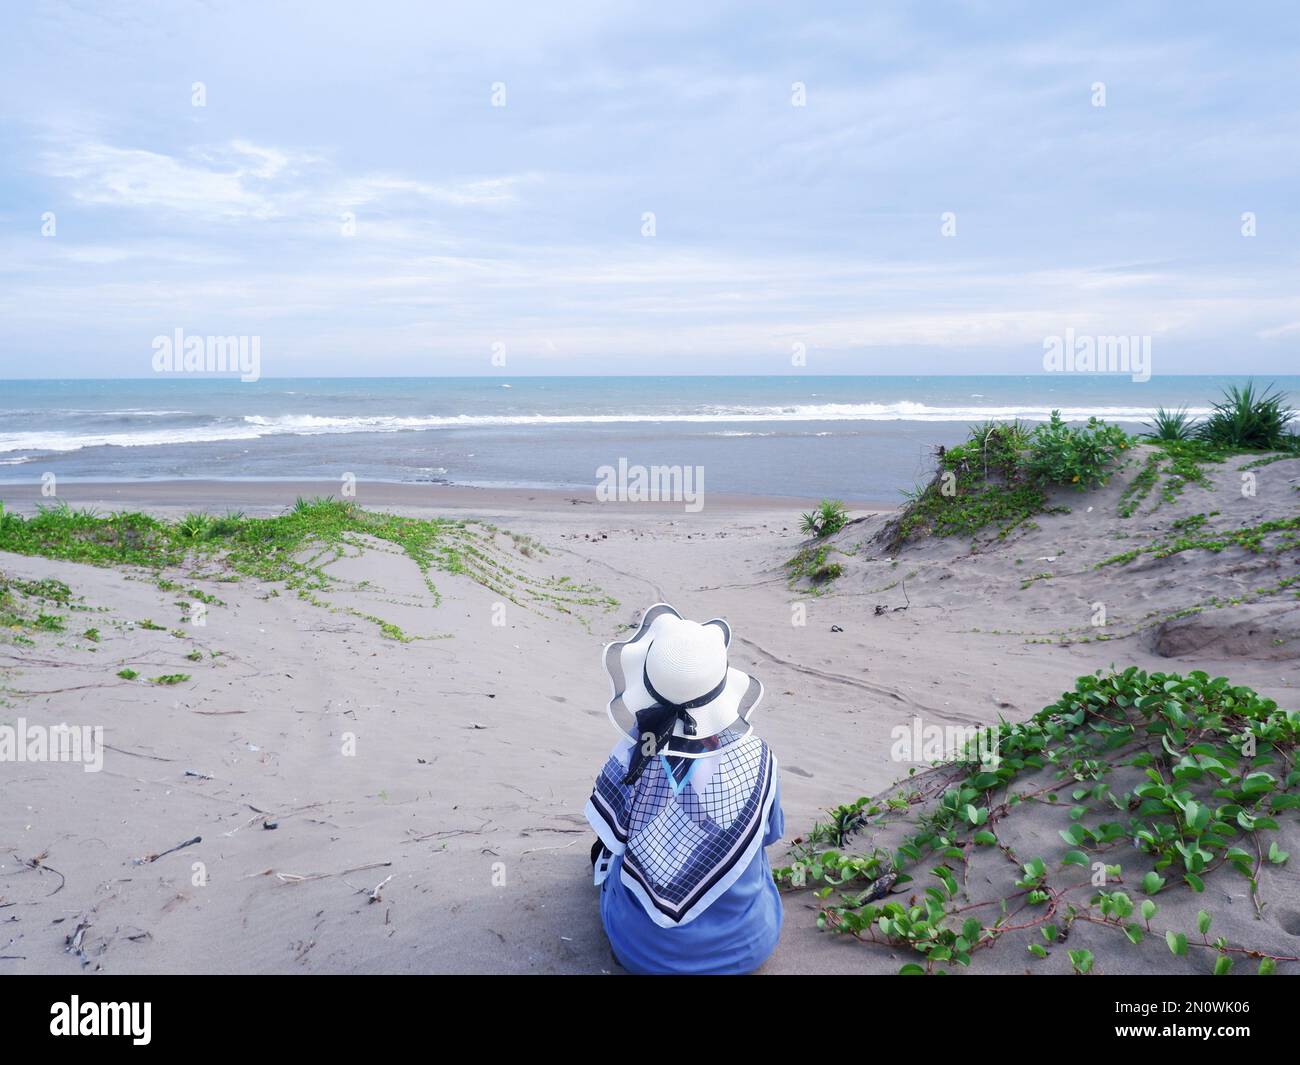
{"type": "Point", "coordinates": [685, 805]}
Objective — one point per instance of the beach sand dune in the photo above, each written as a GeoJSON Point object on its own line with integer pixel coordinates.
{"type": "Point", "coordinates": [366, 804]}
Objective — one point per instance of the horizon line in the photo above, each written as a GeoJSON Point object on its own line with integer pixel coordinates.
{"type": "Point", "coordinates": [234, 377]}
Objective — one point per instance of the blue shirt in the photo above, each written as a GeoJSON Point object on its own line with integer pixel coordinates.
{"type": "Point", "coordinates": [734, 935]}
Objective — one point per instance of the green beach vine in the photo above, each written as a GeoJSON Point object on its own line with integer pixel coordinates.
{"type": "Point", "coordinates": [1172, 782]}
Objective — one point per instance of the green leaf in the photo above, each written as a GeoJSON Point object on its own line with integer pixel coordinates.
{"type": "Point", "coordinates": [1075, 858]}
{"type": "Point", "coordinates": [1148, 909]}
{"type": "Point", "coordinates": [911, 969]}
{"type": "Point", "coordinates": [1196, 815]}
{"type": "Point", "coordinates": [1194, 882]}
{"type": "Point", "coordinates": [1267, 966]}
{"type": "Point", "coordinates": [1203, 921]}
{"type": "Point", "coordinates": [1257, 783]}
{"type": "Point", "coordinates": [1222, 966]}
{"type": "Point", "coordinates": [1036, 949]}
{"type": "Point", "coordinates": [1134, 933]}
{"type": "Point", "coordinates": [985, 838]}
{"type": "Point", "coordinates": [1152, 883]}
{"type": "Point", "coordinates": [1177, 943]}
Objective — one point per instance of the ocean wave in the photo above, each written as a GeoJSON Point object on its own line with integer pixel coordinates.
{"type": "Point", "coordinates": [255, 426]}
{"type": "Point", "coordinates": [94, 412]}
{"type": "Point", "coordinates": [818, 412]}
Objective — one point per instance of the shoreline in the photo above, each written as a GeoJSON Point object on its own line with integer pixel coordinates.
{"type": "Point", "coordinates": [271, 495]}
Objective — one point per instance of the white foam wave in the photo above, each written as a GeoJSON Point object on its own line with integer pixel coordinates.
{"type": "Point", "coordinates": [252, 427]}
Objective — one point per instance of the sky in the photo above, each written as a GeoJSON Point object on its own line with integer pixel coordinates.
{"type": "Point", "coordinates": [397, 188]}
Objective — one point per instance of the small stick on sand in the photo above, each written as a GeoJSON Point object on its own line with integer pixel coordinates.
{"type": "Point", "coordinates": [534, 850]}
{"type": "Point", "coordinates": [170, 850]}
{"type": "Point", "coordinates": [38, 863]}
{"type": "Point", "coordinates": [137, 754]}
{"type": "Point", "coordinates": [297, 878]}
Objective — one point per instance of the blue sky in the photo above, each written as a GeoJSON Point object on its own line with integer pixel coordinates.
{"type": "Point", "coordinates": [522, 225]}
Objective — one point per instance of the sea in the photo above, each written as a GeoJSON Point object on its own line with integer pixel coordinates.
{"type": "Point", "coordinates": [855, 438]}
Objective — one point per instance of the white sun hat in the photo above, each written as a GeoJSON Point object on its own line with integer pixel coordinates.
{"type": "Point", "coordinates": [674, 663]}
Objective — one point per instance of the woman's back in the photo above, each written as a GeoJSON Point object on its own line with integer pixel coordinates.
{"type": "Point", "coordinates": [734, 935]}
{"type": "Point", "coordinates": [685, 804]}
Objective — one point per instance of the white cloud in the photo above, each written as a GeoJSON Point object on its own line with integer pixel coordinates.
{"type": "Point", "coordinates": [242, 180]}
{"type": "Point", "coordinates": [104, 175]}
{"type": "Point", "coordinates": [488, 192]}
{"type": "Point", "coordinates": [1289, 329]}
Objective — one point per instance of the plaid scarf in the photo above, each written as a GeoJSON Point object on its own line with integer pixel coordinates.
{"type": "Point", "coordinates": [687, 828]}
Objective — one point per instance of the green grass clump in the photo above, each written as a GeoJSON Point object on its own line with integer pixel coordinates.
{"type": "Point", "coordinates": [83, 536]}
{"type": "Point", "coordinates": [291, 548]}
{"type": "Point", "coordinates": [127, 674]}
{"type": "Point", "coordinates": [811, 564]}
{"type": "Point", "coordinates": [1001, 474]}
{"type": "Point", "coordinates": [170, 678]}
{"type": "Point", "coordinates": [1170, 426]}
{"type": "Point", "coordinates": [1173, 783]}
{"type": "Point", "coordinates": [1250, 420]}
{"type": "Point", "coordinates": [828, 519]}
{"type": "Point", "coordinates": [23, 606]}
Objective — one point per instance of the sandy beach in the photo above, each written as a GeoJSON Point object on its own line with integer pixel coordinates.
{"type": "Point", "coordinates": [364, 804]}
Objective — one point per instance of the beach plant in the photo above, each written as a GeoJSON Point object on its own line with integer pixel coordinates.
{"type": "Point", "coordinates": [193, 526]}
{"type": "Point", "coordinates": [25, 607]}
{"type": "Point", "coordinates": [292, 549]}
{"type": "Point", "coordinates": [1276, 537]}
{"type": "Point", "coordinates": [812, 564]}
{"type": "Point", "coordinates": [1179, 462]}
{"type": "Point", "coordinates": [1001, 476]}
{"type": "Point", "coordinates": [1172, 782]}
{"type": "Point", "coordinates": [828, 519]}
{"type": "Point", "coordinates": [1170, 425]}
{"type": "Point", "coordinates": [1079, 456]}
{"type": "Point", "coordinates": [1248, 419]}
